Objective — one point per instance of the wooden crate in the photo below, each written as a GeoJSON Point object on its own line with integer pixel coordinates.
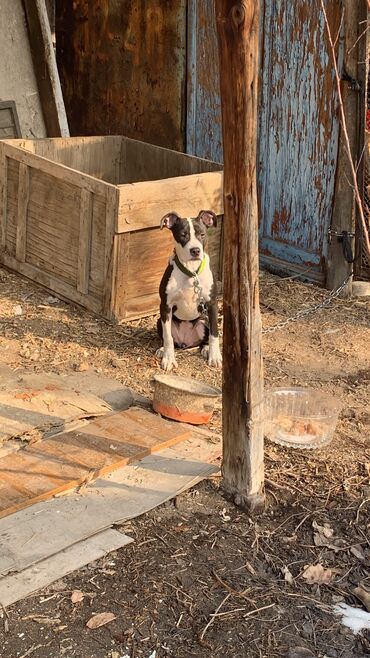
{"type": "Point", "coordinates": [81, 216]}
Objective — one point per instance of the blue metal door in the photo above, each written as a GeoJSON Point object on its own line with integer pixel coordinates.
{"type": "Point", "coordinates": [298, 130]}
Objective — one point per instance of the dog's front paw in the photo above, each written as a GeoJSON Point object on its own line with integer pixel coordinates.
{"type": "Point", "coordinates": [215, 357]}
{"type": "Point", "coordinates": [212, 354]}
{"type": "Point", "coordinates": [168, 361]}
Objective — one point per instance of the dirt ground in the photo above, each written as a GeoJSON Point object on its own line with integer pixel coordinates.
{"type": "Point", "coordinates": [202, 578]}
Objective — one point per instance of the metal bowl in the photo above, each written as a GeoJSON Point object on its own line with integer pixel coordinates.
{"type": "Point", "coordinates": [184, 399]}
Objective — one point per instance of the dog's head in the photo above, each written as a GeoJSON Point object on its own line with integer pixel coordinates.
{"type": "Point", "coordinates": [190, 234]}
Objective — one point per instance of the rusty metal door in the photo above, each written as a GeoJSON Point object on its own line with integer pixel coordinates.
{"type": "Point", "coordinates": [298, 130]}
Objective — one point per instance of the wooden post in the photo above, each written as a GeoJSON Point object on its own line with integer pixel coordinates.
{"type": "Point", "coordinates": [344, 209]}
{"type": "Point", "coordinates": [242, 467]}
{"type": "Point", "coordinates": [45, 66]}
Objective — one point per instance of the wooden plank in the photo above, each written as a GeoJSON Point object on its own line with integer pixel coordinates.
{"type": "Point", "coordinates": [142, 205]}
{"type": "Point", "coordinates": [127, 493]}
{"type": "Point", "coordinates": [84, 242]}
{"type": "Point", "coordinates": [97, 280]}
{"type": "Point", "coordinates": [143, 162]}
{"type": "Point", "coordinates": [344, 211]}
{"type": "Point", "coordinates": [59, 464]}
{"type": "Point", "coordinates": [46, 68]}
{"type": "Point", "coordinates": [96, 156]}
{"type": "Point", "coordinates": [242, 395]}
{"type": "Point", "coordinates": [23, 200]}
{"type": "Point", "coordinates": [17, 586]}
{"type": "Point", "coordinates": [110, 252]}
{"type": "Point", "coordinates": [122, 248]}
{"type": "Point", "coordinates": [60, 171]}
{"type": "Point", "coordinates": [141, 92]}
{"type": "Point", "coordinates": [65, 290]}
{"type": "Point", "coordinates": [203, 125]}
{"type": "Point", "coordinates": [3, 195]}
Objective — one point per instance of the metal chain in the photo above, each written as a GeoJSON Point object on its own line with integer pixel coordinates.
{"type": "Point", "coordinates": [308, 311]}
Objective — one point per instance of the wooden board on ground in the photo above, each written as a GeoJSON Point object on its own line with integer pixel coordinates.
{"type": "Point", "coordinates": [25, 537]}
{"type": "Point", "coordinates": [67, 460]}
{"type": "Point", "coordinates": [36, 405]}
{"type": "Point", "coordinates": [18, 586]}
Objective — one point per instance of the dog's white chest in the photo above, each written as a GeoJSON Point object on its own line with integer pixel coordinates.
{"type": "Point", "coordinates": [186, 293]}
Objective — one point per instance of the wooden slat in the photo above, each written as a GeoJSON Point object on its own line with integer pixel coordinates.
{"type": "Point", "coordinates": [122, 247]}
{"type": "Point", "coordinates": [23, 200]}
{"type": "Point", "coordinates": [142, 205]}
{"type": "Point", "coordinates": [110, 251]}
{"type": "Point", "coordinates": [84, 242]}
{"type": "Point", "coordinates": [67, 174]}
{"type": "Point", "coordinates": [45, 67]}
{"type": "Point", "coordinates": [52, 466]}
{"type": "Point", "coordinates": [3, 196]}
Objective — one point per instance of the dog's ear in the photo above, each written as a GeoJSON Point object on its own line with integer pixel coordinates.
{"type": "Point", "coordinates": [169, 220]}
{"type": "Point", "coordinates": [208, 218]}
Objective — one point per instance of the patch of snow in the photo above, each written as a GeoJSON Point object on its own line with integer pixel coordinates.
{"type": "Point", "coordinates": [354, 618]}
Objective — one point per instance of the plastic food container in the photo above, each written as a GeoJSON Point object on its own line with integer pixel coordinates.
{"type": "Point", "coordinates": [184, 399]}
{"type": "Point", "coordinates": [300, 417]}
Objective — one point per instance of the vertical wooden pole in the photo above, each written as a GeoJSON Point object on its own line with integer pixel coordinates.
{"type": "Point", "coordinates": [45, 66]}
{"type": "Point", "coordinates": [344, 209]}
{"type": "Point", "coordinates": [243, 464]}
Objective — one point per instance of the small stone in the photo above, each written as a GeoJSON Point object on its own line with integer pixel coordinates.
{"type": "Point", "coordinates": [299, 652]}
{"type": "Point", "coordinates": [18, 310]}
{"type": "Point", "coordinates": [35, 355]}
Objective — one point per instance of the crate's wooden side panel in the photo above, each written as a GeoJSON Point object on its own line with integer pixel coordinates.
{"type": "Point", "coordinates": [142, 205]}
{"type": "Point", "coordinates": [56, 229]}
{"type": "Point", "coordinates": [96, 156]}
{"type": "Point", "coordinates": [53, 226]}
{"type": "Point", "coordinates": [143, 257]}
{"type": "Point", "coordinates": [144, 162]}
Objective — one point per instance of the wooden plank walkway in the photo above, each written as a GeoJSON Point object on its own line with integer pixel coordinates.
{"type": "Point", "coordinates": [63, 462]}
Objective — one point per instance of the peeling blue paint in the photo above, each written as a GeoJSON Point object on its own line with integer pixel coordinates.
{"type": "Point", "coordinates": [298, 128]}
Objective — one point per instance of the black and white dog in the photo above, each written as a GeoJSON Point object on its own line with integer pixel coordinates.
{"type": "Point", "coordinates": [188, 292]}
